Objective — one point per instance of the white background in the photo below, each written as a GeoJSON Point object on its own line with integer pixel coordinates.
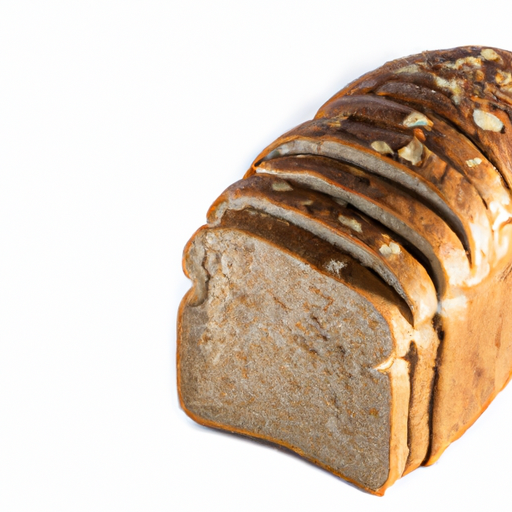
{"type": "Point", "coordinates": [120, 123]}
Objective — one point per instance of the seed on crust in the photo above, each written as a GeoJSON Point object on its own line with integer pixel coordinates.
{"type": "Point", "coordinates": [464, 61]}
{"type": "Point", "coordinates": [417, 119]}
{"type": "Point", "coordinates": [350, 223]}
{"type": "Point", "coordinates": [388, 250]}
{"type": "Point", "coordinates": [503, 77]}
{"type": "Point", "coordinates": [473, 162]}
{"type": "Point", "coordinates": [453, 86]}
{"type": "Point", "coordinates": [382, 147]}
{"type": "Point", "coordinates": [412, 152]}
{"type": "Point", "coordinates": [281, 186]}
{"type": "Point", "coordinates": [335, 266]}
{"type": "Point", "coordinates": [489, 54]}
{"type": "Point", "coordinates": [487, 121]}
{"type": "Point", "coordinates": [413, 68]}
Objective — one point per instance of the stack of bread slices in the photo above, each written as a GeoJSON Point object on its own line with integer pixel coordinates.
{"type": "Point", "coordinates": [350, 295]}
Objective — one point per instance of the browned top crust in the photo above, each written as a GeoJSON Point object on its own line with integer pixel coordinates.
{"type": "Point", "coordinates": [470, 87]}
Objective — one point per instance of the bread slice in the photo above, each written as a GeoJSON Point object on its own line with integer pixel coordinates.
{"type": "Point", "coordinates": [475, 356]}
{"type": "Point", "coordinates": [285, 338]}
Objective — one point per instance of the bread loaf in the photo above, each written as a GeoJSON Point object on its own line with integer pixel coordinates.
{"type": "Point", "coordinates": [350, 294]}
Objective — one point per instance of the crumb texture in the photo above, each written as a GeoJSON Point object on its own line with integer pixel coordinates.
{"type": "Point", "coordinates": [285, 352]}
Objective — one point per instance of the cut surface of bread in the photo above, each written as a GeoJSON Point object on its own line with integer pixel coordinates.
{"type": "Point", "coordinates": [251, 358]}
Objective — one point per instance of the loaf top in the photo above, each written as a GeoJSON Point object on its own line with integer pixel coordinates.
{"type": "Point", "coordinates": [470, 87]}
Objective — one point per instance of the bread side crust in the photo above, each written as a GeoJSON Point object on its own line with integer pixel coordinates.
{"type": "Point", "coordinates": [475, 358]}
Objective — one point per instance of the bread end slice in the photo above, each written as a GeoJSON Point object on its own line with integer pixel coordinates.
{"type": "Point", "coordinates": [271, 346]}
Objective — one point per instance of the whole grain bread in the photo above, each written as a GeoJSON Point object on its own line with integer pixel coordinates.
{"type": "Point", "coordinates": [350, 294]}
